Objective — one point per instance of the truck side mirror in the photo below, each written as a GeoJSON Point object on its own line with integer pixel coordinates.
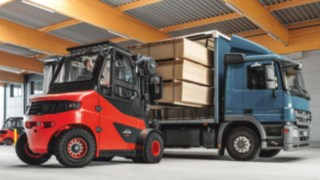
{"type": "Point", "coordinates": [270, 77]}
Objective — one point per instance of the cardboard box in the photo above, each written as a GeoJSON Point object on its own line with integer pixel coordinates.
{"type": "Point", "coordinates": [185, 70]}
{"type": "Point", "coordinates": [176, 48]}
{"type": "Point", "coordinates": [186, 94]}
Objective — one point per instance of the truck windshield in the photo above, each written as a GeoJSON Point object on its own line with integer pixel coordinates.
{"type": "Point", "coordinates": [79, 68]}
{"type": "Point", "coordinates": [294, 81]}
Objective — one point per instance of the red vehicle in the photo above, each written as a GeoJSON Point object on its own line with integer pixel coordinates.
{"type": "Point", "coordinates": [7, 131]}
{"type": "Point", "coordinates": [96, 107]}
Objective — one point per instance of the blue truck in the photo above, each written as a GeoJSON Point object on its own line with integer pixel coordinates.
{"type": "Point", "coordinates": [260, 104]}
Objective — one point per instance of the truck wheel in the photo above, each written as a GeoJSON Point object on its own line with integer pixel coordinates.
{"type": "Point", "coordinates": [8, 141]}
{"type": "Point", "coordinates": [243, 144]}
{"type": "Point", "coordinates": [26, 155]}
{"type": "Point", "coordinates": [153, 149]}
{"type": "Point", "coordinates": [75, 148]}
{"type": "Point", "coordinates": [269, 153]}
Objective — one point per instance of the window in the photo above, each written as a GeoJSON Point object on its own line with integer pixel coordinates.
{"type": "Point", "coordinates": [123, 70]}
{"type": "Point", "coordinates": [15, 90]}
{"type": "Point", "coordinates": [76, 69]}
{"type": "Point", "coordinates": [124, 93]}
{"type": "Point", "coordinates": [36, 87]}
{"type": "Point", "coordinates": [256, 77]}
{"type": "Point", "coordinates": [106, 74]}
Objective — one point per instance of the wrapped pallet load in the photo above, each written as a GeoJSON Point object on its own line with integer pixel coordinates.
{"type": "Point", "coordinates": [186, 69]}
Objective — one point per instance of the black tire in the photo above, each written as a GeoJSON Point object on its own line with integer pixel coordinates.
{"type": "Point", "coordinates": [269, 153]}
{"type": "Point", "coordinates": [8, 141]}
{"type": "Point", "coordinates": [106, 159]}
{"type": "Point", "coordinates": [137, 159]}
{"type": "Point", "coordinates": [243, 144]}
{"type": "Point", "coordinates": [26, 155]}
{"type": "Point", "coordinates": [153, 149]}
{"type": "Point", "coordinates": [75, 148]}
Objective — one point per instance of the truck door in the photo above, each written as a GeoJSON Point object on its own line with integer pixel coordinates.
{"type": "Point", "coordinates": [264, 104]}
{"type": "Point", "coordinates": [120, 123]}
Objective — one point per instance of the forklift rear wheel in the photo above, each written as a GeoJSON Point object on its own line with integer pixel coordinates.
{"type": "Point", "coordinates": [153, 149]}
{"type": "Point", "coordinates": [26, 155]}
{"type": "Point", "coordinates": [75, 148]}
{"type": "Point", "coordinates": [269, 153]}
{"type": "Point", "coordinates": [243, 144]}
{"type": "Point", "coordinates": [8, 141]}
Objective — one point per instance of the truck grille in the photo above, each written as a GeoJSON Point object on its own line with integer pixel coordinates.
{"type": "Point", "coordinates": [303, 118]}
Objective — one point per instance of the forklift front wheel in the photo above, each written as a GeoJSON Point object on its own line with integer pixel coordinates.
{"type": "Point", "coordinates": [153, 149]}
{"type": "Point", "coordinates": [26, 155]}
{"type": "Point", "coordinates": [75, 148]}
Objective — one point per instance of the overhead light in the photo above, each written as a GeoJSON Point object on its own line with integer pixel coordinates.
{"type": "Point", "coordinates": [38, 6]}
{"type": "Point", "coordinates": [3, 2]}
{"type": "Point", "coordinates": [234, 8]}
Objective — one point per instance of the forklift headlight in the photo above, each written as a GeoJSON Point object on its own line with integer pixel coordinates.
{"type": "Point", "coordinates": [64, 106]}
{"type": "Point", "coordinates": [71, 105]}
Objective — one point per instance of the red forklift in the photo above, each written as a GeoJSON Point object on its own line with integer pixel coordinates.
{"type": "Point", "coordinates": [7, 131]}
{"type": "Point", "coordinates": [96, 108]}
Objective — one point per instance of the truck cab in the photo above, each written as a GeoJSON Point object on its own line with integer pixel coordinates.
{"type": "Point", "coordinates": [268, 90]}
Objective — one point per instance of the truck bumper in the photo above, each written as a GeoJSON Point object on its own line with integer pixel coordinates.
{"type": "Point", "coordinates": [295, 138]}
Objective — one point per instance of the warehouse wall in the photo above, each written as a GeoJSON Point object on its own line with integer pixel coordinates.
{"type": "Point", "coordinates": [14, 105]}
{"type": "Point", "coordinates": [311, 72]}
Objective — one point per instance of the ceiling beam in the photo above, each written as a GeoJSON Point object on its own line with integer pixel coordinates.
{"type": "Point", "coordinates": [300, 39]}
{"type": "Point", "coordinates": [297, 25]}
{"type": "Point", "coordinates": [101, 15]}
{"type": "Point", "coordinates": [274, 7]}
{"type": "Point", "coordinates": [20, 62]}
{"type": "Point", "coordinates": [23, 36]}
{"type": "Point", "coordinates": [137, 4]}
{"type": "Point", "coordinates": [290, 4]}
{"type": "Point", "coordinates": [11, 77]}
{"type": "Point", "coordinates": [201, 22]}
{"type": "Point", "coordinates": [118, 39]}
{"type": "Point", "coordinates": [259, 15]}
{"type": "Point", "coordinates": [60, 25]}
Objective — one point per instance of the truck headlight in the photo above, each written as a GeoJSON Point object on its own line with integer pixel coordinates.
{"type": "Point", "coordinates": [295, 133]}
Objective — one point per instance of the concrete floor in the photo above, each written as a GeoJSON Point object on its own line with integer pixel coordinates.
{"type": "Point", "coordinates": [177, 164]}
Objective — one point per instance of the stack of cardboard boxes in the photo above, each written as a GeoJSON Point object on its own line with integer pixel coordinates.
{"type": "Point", "coordinates": [186, 69]}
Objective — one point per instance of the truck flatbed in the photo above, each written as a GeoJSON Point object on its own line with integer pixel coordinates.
{"type": "Point", "coordinates": [187, 121]}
